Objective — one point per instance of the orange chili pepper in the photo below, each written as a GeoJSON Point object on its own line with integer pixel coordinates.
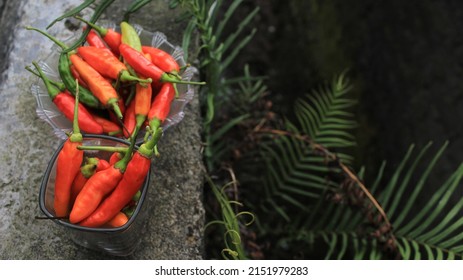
{"type": "Point", "coordinates": [134, 175]}
{"type": "Point", "coordinates": [99, 186]}
{"type": "Point", "coordinates": [100, 87]}
{"type": "Point", "coordinates": [94, 190]}
{"type": "Point", "coordinates": [76, 75]}
{"type": "Point", "coordinates": [117, 221]}
{"type": "Point", "coordinates": [107, 64]}
{"type": "Point", "coordinates": [86, 171]}
{"type": "Point", "coordinates": [142, 106]}
{"type": "Point", "coordinates": [67, 166]}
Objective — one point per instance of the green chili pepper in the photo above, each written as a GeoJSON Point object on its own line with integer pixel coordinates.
{"type": "Point", "coordinates": [130, 36]}
{"type": "Point", "coordinates": [65, 73]}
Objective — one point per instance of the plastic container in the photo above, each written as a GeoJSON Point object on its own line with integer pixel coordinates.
{"type": "Point", "coordinates": [48, 112]}
{"type": "Point", "coordinates": [121, 241]}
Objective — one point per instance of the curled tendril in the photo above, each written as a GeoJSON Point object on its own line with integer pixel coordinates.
{"type": "Point", "coordinates": [235, 202]}
{"type": "Point", "coordinates": [213, 223]}
{"type": "Point", "coordinates": [232, 253]}
{"type": "Point", "coordinates": [249, 214]}
{"type": "Point", "coordinates": [230, 233]}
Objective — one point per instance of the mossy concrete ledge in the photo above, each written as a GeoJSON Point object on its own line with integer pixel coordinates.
{"type": "Point", "coordinates": [176, 215]}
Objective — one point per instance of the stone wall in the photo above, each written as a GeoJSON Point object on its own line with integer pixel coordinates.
{"type": "Point", "coordinates": [176, 214]}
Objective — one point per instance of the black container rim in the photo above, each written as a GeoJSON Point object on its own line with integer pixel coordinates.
{"type": "Point", "coordinates": [82, 228]}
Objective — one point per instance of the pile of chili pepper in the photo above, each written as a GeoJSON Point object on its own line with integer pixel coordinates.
{"type": "Point", "coordinates": [124, 85]}
{"type": "Point", "coordinates": [114, 85]}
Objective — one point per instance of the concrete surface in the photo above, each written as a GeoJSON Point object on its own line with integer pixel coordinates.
{"type": "Point", "coordinates": [174, 229]}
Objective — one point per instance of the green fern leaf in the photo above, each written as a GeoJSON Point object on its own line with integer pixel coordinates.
{"type": "Point", "coordinates": [435, 231]}
{"type": "Point", "coordinates": [295, 176]}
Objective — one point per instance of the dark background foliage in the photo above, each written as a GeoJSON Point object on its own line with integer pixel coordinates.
{"type": "Point", "coordinates": [405, 60]}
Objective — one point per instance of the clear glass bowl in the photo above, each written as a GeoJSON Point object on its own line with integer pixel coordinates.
{"type": "Point", "coordinates": [120, 241]}
{"type": "Point", "coordinates": [47, 111]}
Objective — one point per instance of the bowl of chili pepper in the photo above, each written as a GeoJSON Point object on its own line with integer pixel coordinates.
{"type": "Point", "coordinates": [120, 235]}
{"type": "Point", "coordinates": [152, 42]}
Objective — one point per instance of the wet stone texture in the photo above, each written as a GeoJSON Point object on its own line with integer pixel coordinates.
{"type": "Point", "coordinates": [176, 214]}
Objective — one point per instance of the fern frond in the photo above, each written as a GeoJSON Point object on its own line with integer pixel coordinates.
{"type": "Point", "coordinates": [324, 116]}
{"type": "Point", "coordinates": [433, 231]}
{"type": "Point", "coordinates": [296, 175]}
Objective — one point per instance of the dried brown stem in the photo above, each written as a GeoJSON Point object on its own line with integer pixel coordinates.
{"type": "Point", "coordinates": [333, 157]}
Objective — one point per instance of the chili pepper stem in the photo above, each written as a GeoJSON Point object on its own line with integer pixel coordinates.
{"type": "Point", "coordinates": [175, 90]}
{"type": "Point", "coordinates": [122, 163]}
{"type": "Point", "coordinates": [104, 148]}
{"type": "Point", "coordinates": [101, 30]}
{"type": "Point", "coordinates": [147, 149]}
{"type": "Point", "coordinates": [130, 97]}
{"type": "Point", "coordinates": [76, 136]}
{"type": "Point", "coordinates": [87, 170]}
{"type": "Point", "coordinates": [147, 134]}
{"type": "Point", "coordinates": [154, 124]}
{"type": "Point", "coordinates": [116, 108]}
{"type": "Point", "coordinates": [100, 8]}
{"type": "Point", "coordinates": [52, 91]}
{"type": "Point", "coordinates": [125, 76]}
{"type": "Point", "coordinates": [139, 120]}
{"type": "Point", "coordinates": [168, 78]}
{"type": "Point", "coordinates": [56, 41]}
{"type": "Point", "coordinates": [58, 85]}
{"type": "Point", "coordinates": [185, 66]}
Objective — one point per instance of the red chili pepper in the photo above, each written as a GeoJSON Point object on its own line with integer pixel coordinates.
{"type": "Point", "coordinates": [145, 67]}
{"type": "Point", "coordinates": [130, 120]}
{"type": "Point", "coordinates": [107, 64]}
{"type": "Point", "coordinates": [93, 39]}
{"type": "Point", "coordinates": [77, 76]}
{"type": "Point", "coordinates": [100, 87]}
{"type": "Point", "coordinates": [67, 166]}
{"type": "Point", "coordinates": [161, 106]}
{"type": "Point", "coordinates": [162, 59]}
{"type": "Point", "coordinates": [115, 157]}
{"type": "Point", "coordinates": [109, 127]}
{"type": "Point", "coordinates": [122, 105]}
{"type": "Point", "coordinates": [134, 175]}
{"type": "Point", "coordinates": [65, 103]}
{"type": "Point", "coordinates": [102, 164]}
{"type": "Point", "coordinates": [111, 37]}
